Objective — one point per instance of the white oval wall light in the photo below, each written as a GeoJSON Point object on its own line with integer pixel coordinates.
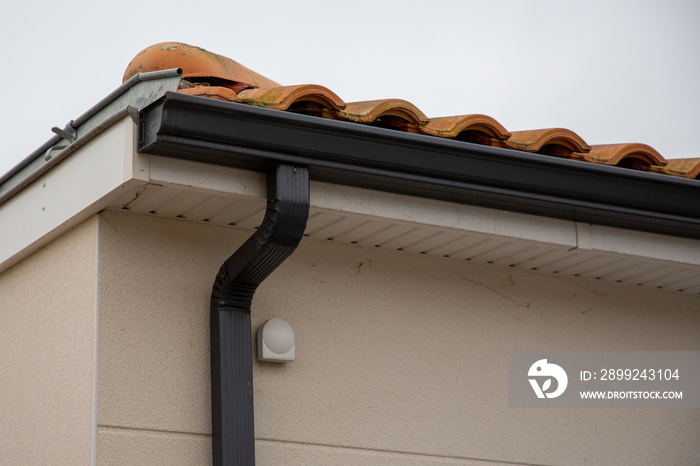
{"type": "Point", "coordinates": [276, 341]}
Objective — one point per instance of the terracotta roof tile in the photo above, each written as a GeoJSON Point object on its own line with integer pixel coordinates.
{"type": "Point", "coordinates": [197, 64]}
{"type": "Point", "coordinates": [481, 129]}
{"type": "Point", "coordinates": [210, 75]}
{"type": "Point", "coordinates": [285, 97]}
{"type": "Point", "coordinates": [395, 113]}
{"type": "Point", "coordinates": [687, 168]}
{"type": "Point", "coordinates": [213, 92]}
{"type": "Point", "coordinates": [559, 142]}
{"type": "Point", "coordinates": [637, 156]}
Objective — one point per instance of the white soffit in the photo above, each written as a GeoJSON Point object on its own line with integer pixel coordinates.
{"type": "Point", "coordinates": [233, 197]}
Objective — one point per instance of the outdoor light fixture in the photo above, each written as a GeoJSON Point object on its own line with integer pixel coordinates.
{"type": "Point", "coordinates": [276, 341]}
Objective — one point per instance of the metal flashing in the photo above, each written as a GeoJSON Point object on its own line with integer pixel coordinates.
{"type": "Point", "coordinates": [140, 90]}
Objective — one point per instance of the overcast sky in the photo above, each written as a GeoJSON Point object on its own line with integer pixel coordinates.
{"type": "Point", "coordinates": [611, 71]}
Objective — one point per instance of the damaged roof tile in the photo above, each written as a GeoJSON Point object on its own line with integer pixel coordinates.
{"type": "Point", "coordinates": [214, 76]}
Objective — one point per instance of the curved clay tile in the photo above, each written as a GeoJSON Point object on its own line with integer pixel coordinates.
{"type": "Point", "coordinates": [282, 98]}
{"type": "Point", "coordinates": [369, 111]}
{"type": "Point", "coordinates": [637, 156]}
{"type": "Point", "coordinates": [474, 128]}
{"type": "Point", "coordinates": [687, 168]}
{"type": "Point", "coordinates": [213, 92]}
{"type": "Point", "coordinates": [560, 142]}
{"type": "Point", "coordinates": [196, 64]}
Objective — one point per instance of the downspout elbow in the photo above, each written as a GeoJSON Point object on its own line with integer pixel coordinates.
{"type": "Point", "coordinates": [231, 347]}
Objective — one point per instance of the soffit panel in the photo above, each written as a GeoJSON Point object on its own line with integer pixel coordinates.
{"type": "Point", "coordinates": [457, 232]}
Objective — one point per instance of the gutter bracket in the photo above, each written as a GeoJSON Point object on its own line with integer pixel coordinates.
{"type": "Point", "coordinates": [69, 133]}
{"type": "Point", "coordinates": [231, 343]}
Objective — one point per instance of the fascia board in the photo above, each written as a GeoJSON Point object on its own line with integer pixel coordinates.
{"type": "Point", "coordinates": [346, 199]}
{"type": "Point", "coordinates": [206, 177]}
{"type": "Point", "coordinates": [442, 214]}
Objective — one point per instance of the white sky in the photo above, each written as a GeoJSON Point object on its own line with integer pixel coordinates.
{"type": "Point", "coordinates": [612, 71]}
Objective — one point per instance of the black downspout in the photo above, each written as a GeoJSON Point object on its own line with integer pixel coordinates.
{"type": "Point", "coordinates": [231, 346]}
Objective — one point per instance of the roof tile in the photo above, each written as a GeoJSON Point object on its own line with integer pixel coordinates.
{"type": "Point", "coordinates": [213, 92]}
{"type": "Point", "coordinates": [637, 156]}
{"type": "Point", "coordinates": [481, 129]}
{"type": "Point", "coordinates": [559, 142]}
{"type": "Point", "coordinates": [197, 64]}
{"type": "Point", "coordinates": [373, 111]}
{"type": "Point", "coordinates": [687, 168]}
{"type": "Point", "coordinates": [282, 98]}
{"type": "Point", "coordinates": [210, 75]}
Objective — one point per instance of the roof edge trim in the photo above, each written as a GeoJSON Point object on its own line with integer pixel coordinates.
{"type": "Point", "coordinates": [112, 107]}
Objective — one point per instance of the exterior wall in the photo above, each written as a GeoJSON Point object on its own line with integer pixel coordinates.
{"type": "Point", "coordinates": [401, 359]}
{"type": "Point", "coordinates": [47, 328]}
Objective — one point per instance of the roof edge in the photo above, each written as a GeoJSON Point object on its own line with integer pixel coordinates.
{"type": "Point", "coordinates": [238, 135]}
{"type": "Point", "coordinates": [78, 131]}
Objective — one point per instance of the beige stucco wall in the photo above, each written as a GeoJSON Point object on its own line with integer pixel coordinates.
{"type": "Point", "coordinates": [47, 308]}
{"type": "Point", "coordinates": [401, 359]}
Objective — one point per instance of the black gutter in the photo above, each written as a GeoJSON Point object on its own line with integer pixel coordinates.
{"type": "Point", "coordinates": [244, 136]}
{"type": "Point", "coordinates": [231, 299]}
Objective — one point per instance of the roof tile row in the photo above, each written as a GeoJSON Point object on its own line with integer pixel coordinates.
{"type": "Point", "coordinates": [210, 75]}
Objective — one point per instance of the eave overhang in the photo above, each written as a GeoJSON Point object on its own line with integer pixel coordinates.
{"type": "Point", "coordinates": [241, 136]}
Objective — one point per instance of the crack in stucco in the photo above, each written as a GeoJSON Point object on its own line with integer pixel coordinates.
{"type": "Point", "coordinates": [496, 289]}
{"type": "Point", "coordinates": [361, 264]}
